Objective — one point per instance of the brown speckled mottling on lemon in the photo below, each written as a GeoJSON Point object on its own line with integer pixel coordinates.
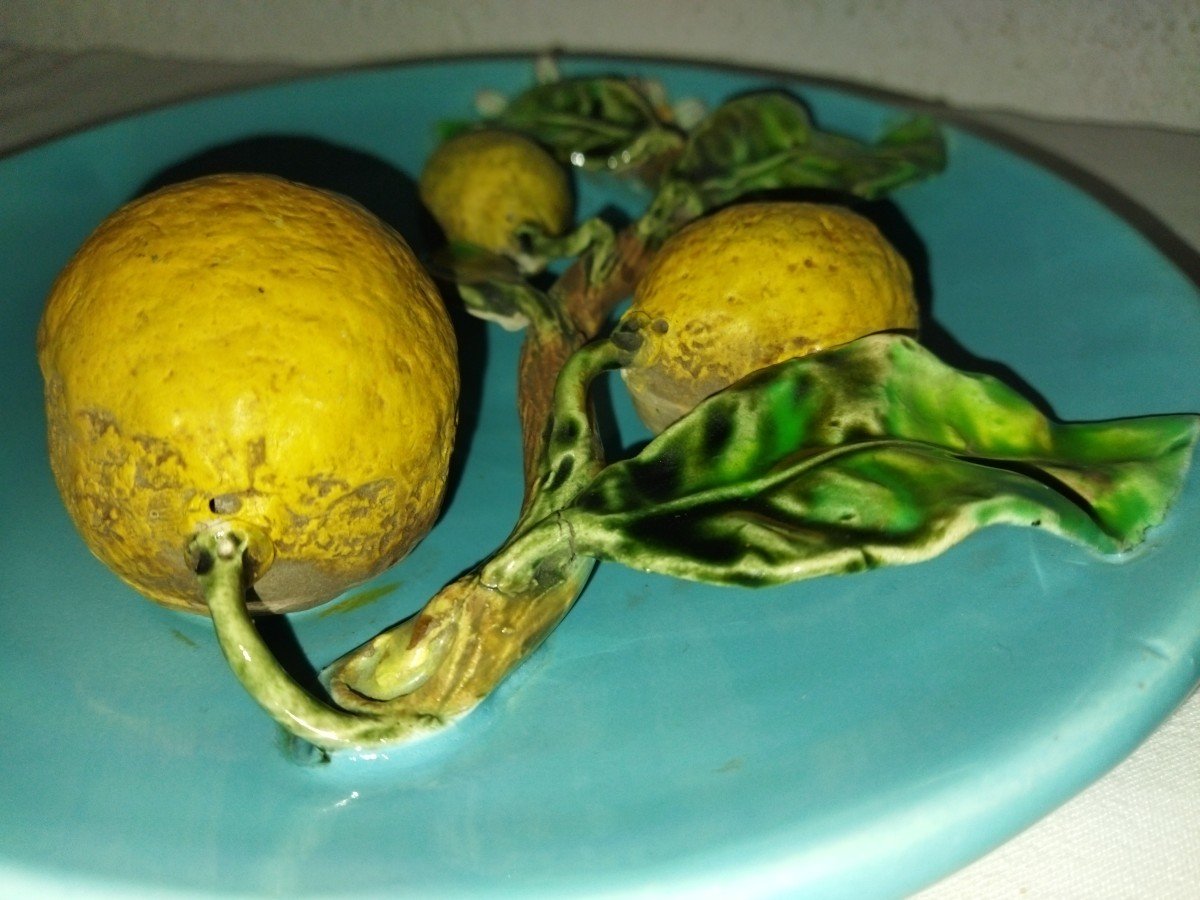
{"type": "Point", "coordinates": [244, 347]}
{"type": "Point", "coordinates": [755, 284]}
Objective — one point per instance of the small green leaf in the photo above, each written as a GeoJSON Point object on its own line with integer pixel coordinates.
{"type": "Point", "coordinates": [870, 454]}
{"type": "Point", "coordinates": [593, 123]}
{"type": "Point", "coordinates": [766, 141]}
{"type": "Point", "coordinates": [909, 152]}
{"type": "Point", "coordinates": [744, 134]}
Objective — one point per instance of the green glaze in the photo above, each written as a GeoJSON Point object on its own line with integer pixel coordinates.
{"type": "Point", "coordinates": [572, 455]}
{"type": "Point", "coordinates": [389, 673]}
{"type": "Point", "coordinates": [875, 453]}
{"type": "Point", "coordinates": [491, 286]}
{"type": "Point", "coordinates": [482, 270]}
{"type": "Point", "coordinates": [474, 633]}
{"type": "Point", "coordinates": [593, 123]}
{"type": "Point", "coordinates": [766, 141]}
{"type": "Point", "coordinates": [593, 241]}
{"type": "Point", "coordinates": [221, 566]}
{"type": "Point", "coordinates": [744, 133]}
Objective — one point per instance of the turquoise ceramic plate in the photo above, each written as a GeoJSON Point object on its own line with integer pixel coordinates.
{"type": "Point", "coordinates": [857, 735]}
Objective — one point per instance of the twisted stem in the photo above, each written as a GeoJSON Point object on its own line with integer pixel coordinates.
{"type": "Point", "coordinates": [220, 560]}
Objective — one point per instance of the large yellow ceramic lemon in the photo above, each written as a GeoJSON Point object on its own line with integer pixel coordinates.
{"type": "Point", "coordinates": [481, 186]}
{"type": "Point", "coordinates": [241, 349]}
{"type": "Point", "coordinates": [755, 284]}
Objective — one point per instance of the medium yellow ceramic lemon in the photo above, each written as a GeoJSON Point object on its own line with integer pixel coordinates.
{"type": "Point", "coordinates": [243, 349]}
{"type": "Point", "coordinates": [755, 284]}
{"type": "Point", "coordinates": [481, 186]}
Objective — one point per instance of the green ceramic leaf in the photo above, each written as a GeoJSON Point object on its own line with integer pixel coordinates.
{"type": "Point", "coordinates": [766, 141]}
{"type": "Point", "coordinates": [909, 152]}
{"type": "Point", "coordinates": [595, 123]}
{"type": "Point", "coordinates": [871, 454]}
{"type": "Point", "coordinates": [746, 133]}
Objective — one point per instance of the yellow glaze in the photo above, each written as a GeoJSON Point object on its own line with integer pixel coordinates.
{"type": "Point", "coordinates": [243, 348]}
{"type": "Point", "coordinates": [755, 284]}
{"type": "Point", "coordinates": [481, 186]}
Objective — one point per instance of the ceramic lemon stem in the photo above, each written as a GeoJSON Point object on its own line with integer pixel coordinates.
{"type": "Point", "coordinates": [220, 557]}
{"type": "Point", "coordinates": [589, 300]}
{"type": "Point", "coordinates": [482, 630]}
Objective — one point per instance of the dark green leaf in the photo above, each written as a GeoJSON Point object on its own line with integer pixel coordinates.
{"type": "Point", "coordinates": [766, 141]}
{"type": "Point", "coordinates": [874, 453]}
{"type": "Point", "coordinates": [595, 123]}
{"type": "Point", "coordinates": [744, 135]}
{"type": "Point", "coordinates": [907, 153]}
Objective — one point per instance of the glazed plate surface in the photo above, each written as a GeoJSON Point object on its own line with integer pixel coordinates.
{"type": "Point", "coordinates": [851, 736]}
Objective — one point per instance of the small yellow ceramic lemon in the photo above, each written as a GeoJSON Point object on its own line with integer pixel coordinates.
{"type": "Point", "coordinates": [755, 284]}
{"type": "Point", "coordinates": [246, 350]}
{"type": "Point", "coordinates": [482, 185]}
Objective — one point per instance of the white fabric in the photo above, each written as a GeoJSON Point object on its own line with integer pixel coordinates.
{"type": "Point", "coordinates": [1136, 833]}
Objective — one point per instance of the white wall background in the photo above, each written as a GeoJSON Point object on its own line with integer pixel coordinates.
{"type": "Point", "coordinates": [1130, 61]}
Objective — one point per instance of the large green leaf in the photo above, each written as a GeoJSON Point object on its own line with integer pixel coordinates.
{"type": "Point", "coordinates": [766, 141]}
{"type": "Point", "coordinates": [874, 453]}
